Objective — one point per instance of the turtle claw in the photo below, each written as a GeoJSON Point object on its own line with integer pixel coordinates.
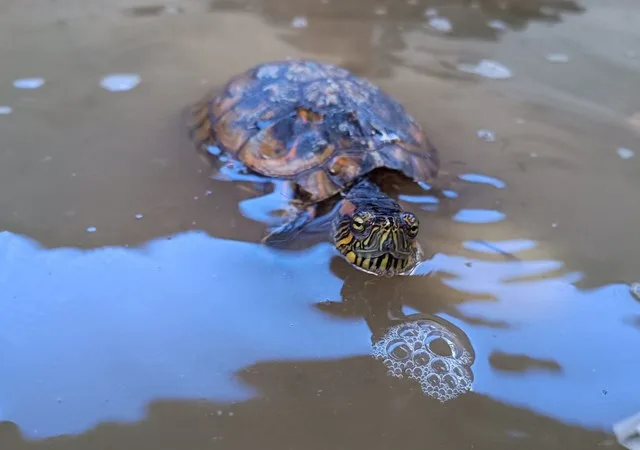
{"type": "Point", "coordinates": [290, 228]}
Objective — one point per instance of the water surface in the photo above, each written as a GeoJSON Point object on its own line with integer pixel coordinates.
{"type": "Point", "coordinates": [140, 310]}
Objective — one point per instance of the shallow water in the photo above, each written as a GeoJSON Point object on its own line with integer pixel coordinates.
{"type": "Point", "coordinates": [140, 310]}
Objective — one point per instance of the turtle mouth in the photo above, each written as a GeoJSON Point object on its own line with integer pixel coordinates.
{"type": "Point", "coordinates": [376, 253]}
{"type": "Point", "coordinates": [385, 263]}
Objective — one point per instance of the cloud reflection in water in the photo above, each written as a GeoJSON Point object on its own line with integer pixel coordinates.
{"type": "Point", "coordinates": [89, 336]}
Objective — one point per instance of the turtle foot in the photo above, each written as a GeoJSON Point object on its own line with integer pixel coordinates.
{"type": "Point", "coordinates": [291, 227]}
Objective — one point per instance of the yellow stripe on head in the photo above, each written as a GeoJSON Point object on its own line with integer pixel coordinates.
{"type": "Point", "coordinates": [345, 241]}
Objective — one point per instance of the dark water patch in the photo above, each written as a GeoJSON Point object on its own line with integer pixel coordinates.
{"type": "Point", "coordinates": [152, 10]}
{"type": "Point", "coordinates": [634, 321]}
{"type": "Point", "coordinates": [522, 363]}
{"type": "Point", "coordinates": [482, 322]}
{"type": "Point", "coordinates": [341, 392]}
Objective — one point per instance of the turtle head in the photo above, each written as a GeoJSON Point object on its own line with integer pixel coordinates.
{"type": "Point", "coordinates": [377, 236]}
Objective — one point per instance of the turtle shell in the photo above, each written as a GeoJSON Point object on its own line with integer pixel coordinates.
{"type": "Point", "coordinates": [313, 123]}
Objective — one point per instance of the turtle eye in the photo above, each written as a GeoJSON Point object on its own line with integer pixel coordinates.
{"type": "Point", "coordinates": [357, 223]}
{"type": "Point", "coordinates": [411, 222]}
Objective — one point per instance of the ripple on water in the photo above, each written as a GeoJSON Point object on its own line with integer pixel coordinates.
{"type": "Point", "coordinates": [478, 216]}
{"type": "Point", "coordinates": [478, 178]}
{"type": "Point", "coordinates": [5, 110]}
{"type": "Point", "coordinates": [557, 58]}
{"type": "Point", "coordinates": [154, 10]}
{"type": "Point", "coordinates": [509, 246]}
{"type": "Point", "coordinates": [488, 69]}
{"type": "Point", "coordinates": [119, 82]}
{"type": "Point", "coordinates": [28, 83]}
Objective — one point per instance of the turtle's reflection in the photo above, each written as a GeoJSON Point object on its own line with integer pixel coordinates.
{"type": "Point", "coordinates": [421, 347]}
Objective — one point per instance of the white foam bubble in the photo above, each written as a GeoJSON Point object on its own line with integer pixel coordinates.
{"type": "Point", "coordinates": [431, 12]}
{"type": "Point", "coordinates": [486, 135]}
{"type": "Point", "coordinates": [299, 22]}
{"type": "Point", "coordinates": [408, 350]}
{"type": "Point", "coordinates": [497, 24]}
{"type": "Point", "coordinates": [5, 110]}
{"type": "Point", "coordinates": [380, 11]}
{"type": "Point", "coordinates": [625, 153]}
{"type": "Point", "coordinates": [28, 83]}
{"type": "Point", "coordinates": [441, 24]}
{"type": "Point", "coordinates": [118, 82]}
{"type": "Point", "coordinates": [487, 68]}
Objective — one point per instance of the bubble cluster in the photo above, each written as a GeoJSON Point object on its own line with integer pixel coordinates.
{"type": "Point", "coordinates": [426, 351]}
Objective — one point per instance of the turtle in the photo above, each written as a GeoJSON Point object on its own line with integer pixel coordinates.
{"type": "Point", "coordinates": [324, 131]}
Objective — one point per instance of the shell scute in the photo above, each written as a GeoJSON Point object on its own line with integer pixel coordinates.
{"type": "Point", "coordinates": [286, 149]}
{"type": "Point", "coordinates": [304, 72]}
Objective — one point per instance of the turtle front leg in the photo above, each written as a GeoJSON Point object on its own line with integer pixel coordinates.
{"type": "Point", "coordinates": [294, 221]}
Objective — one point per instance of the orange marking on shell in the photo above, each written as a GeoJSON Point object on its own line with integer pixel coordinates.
{"type": "Point", "coordinates": [267, 155]}
{"type": "Point", "coordinates": [293, 152]}
{"type": "Point", "coordinates": [269, 146]}
{"type": "Point", "coordinates": [347, 208]}
{"type": "Point", "coordinates": [228, 136]}
{"type": "Point", "coordinates": [346, 167]}
{"type": "Point", "coordinates": [306, 115]}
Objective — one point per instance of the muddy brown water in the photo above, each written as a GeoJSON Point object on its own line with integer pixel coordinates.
{"type": "Point", "coordinates": [177, 329]}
